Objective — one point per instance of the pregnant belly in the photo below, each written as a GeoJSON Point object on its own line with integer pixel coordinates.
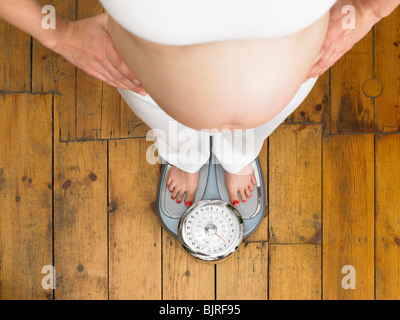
{"type": "Point", "coordinates": [236, 84]}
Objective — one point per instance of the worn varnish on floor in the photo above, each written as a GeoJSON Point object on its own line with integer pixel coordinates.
{"type": "Point", "coordinates": [76, 191]}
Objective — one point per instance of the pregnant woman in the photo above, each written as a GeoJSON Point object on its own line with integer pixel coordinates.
{"type": "Point", "coordinates": [189, 69]}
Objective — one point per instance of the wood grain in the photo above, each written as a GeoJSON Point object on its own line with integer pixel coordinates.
{"type": "Point", "coordinates": [134, 229]}
{"type": "Point", "coordinates": [25, 195]}
{"type": "Point", "coordinates": [351, 109]}
{"type": "Point", "coordinates": [387, 222]}
{"type": "Point", "coordinates": [80, 219]}
{"type": "Point", "coordinates": [387, 64]}
{"type": "Point", "coordinates": [295, 272]}
{"type": "Point", "coordinates": [348, 220]}
{"type": "Point", "coordinates": [184, 277]}
{"type": "Point", "coordinates": [244, 275]}
{"type": "Point", "coordinates": [15, 59]}
{"type": "Point", "coordinates": [295, 184]}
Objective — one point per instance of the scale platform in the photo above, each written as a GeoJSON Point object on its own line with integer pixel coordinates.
{"type": "Point", "coordinates": [211, 187]}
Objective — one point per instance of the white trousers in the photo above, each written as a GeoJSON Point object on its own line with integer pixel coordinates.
{"type": "Point", "coordinates": [189, 149]}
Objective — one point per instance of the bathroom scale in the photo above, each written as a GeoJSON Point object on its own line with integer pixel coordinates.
{"type": "Point", "coordinates": [211, 228]}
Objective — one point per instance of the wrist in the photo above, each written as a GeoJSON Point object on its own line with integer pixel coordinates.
{"type": "Point", "coordinates": [369, 8]}
{"type": "Point", "coordinates": [53, 37]}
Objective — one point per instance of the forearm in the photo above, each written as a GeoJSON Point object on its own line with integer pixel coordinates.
{"type": "Point", "coordinates": [380, 8]}
{"type": "Point", "coordinates": [27, 15]}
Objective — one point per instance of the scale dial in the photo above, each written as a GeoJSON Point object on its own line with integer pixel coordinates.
{"type": "Point", "coordinates": [211, 230]}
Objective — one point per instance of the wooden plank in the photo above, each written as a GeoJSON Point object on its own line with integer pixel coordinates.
{"type": "Point", "coordinates": [184, 277]}
{"type": "Point", "coordinates": [118, 120]}
{"type": "Point", "coordinates": [316, 107]}
{"type": "Point", "coordinates": [52, 73]}
{"type": "Point", "coordinates": [295, 272]}
{"type": "Point", "coordinates": [387, 64]}
{"type": "Point", "coordinates": [351, 109]}
{"type": "Point", "coordinates": [387, 221]}
{"type": "Point", "coordinates": [89, 90]}
{"type": "Point", "coordinates": [348, 221]}
{"type": "Point", "coordinates": [244, 275]}
{"type": "Point", "coordinates": [295, 184]}
{"type": "Point", "coordinates": [15, 59]}
{"type": "Point", "coordinates": [25, 195]}
{"type": "Point", "coordinates": [80, 219]}
{"type": "Point", "coordinates": [134, 229]}
{"type": "Point", "coordinates": [111, 127]}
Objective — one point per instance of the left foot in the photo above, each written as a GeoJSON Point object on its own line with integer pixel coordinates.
{"type": "Point", "coordinates": [242, 182]}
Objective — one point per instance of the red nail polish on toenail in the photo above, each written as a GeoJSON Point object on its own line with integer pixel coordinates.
{"type": "Point", "coordinates": [244, 200]}
{"type": "Point", "coordinates": [172, 198]}
{"type": "Point", "coordinates": [188, 203]}
{"type": "Point", "coordinates": [235, 202]}
{"type": "Point", "coordinates": [249, 196]}
{"type": "Point", "coordinates": [178, 201]}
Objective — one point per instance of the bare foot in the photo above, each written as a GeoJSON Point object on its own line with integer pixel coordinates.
{"type": "Point", "coordinates": [242, 182]}
{"type": "Point", "coordinates": [179, 181]}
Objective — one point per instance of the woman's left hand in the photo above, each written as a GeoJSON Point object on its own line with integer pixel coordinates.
{"type": "Point", "coordinates": [340, 40]}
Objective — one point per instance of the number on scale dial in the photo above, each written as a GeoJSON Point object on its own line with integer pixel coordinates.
{"type": "Point", "coordinates": [211, 230]}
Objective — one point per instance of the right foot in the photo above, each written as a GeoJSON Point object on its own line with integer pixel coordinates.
{"type": "Point", "coordinates": [243, 182]}
{"type": "Point", "coordinates": [179, 182]}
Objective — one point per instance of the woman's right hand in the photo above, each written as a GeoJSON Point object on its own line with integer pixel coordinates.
{"type": "Point", "coordinates": [87, 45]}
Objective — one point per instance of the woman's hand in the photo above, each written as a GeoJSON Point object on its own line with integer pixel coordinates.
{"type": "Point", "coordinates": [339, 40]}
{"type": "Point", "coordinates": [87, 45]}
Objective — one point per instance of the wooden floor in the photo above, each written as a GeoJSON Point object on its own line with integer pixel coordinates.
{"type": "Point", "coordinates": [76, 191]}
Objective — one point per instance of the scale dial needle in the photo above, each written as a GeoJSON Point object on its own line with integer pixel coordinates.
{"type": "Point", "coordinates": [219, 237]}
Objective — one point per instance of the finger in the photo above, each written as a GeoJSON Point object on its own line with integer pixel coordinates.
{"type": "Point", "coordinates": [99, 76]}
{"type": "Point", "coordinates": [94, 73]}
{"type": "Point", "coordinates": [320, 55]}
{"type": "Point", "coordinates": [105, 76]}
{"type": "Point", "coordinates": [117, 76]}
{"type": "Point", "coordinates": [114, 80]}
{"type": "Point", "coordinates": [119, 65]}
{"type": "Point", "coordinates": [322, 65]}
{"type": "Point", "coordinates": [329, 63]}
{"type": "Point", "coordinates": [104, 66]}
{"type": "Point", "coordinates": [126, 83]}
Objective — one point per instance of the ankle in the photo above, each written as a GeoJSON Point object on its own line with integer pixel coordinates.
{"type": "Point", "coordinates": [245, 171]}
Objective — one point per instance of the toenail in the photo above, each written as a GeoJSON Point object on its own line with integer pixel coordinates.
{"type": "Point", "coordinates": [235, 203]}
{"type": "Point", "coordinates": [172, 198]}
{"type": "Point", "coordinates": [178, 201]}
{"type": "Point", "coordinates": [249, 196]}
{"type": "Point", "coordinates": [244, 200]}
{"type": "Point", "coordinates": [188, 203]}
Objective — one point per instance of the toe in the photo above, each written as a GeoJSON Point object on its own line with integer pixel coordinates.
{"type": "Point", "coordinates": [180, 196]}
{"type": "Point", "coordinates": [174, 193]}
{"type": "Point", "coordinates": [171, 188]}
{"type": "Point", "coordinates": [189, 199]}
{"type": "Point", "coordinates": [248, 192]}
{"type": "Point", "coordinates": [252, 185]}
{"type": "Point", "coordinates": [233, 197]}
{"type": "Point", "coordinates": [243, 195]}
{"type": "Point", "coordinates": [169, 180]}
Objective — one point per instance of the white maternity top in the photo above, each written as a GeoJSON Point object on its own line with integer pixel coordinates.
{"type": "Point", "coordinates": [187, 22]}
